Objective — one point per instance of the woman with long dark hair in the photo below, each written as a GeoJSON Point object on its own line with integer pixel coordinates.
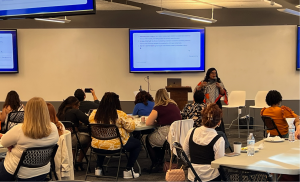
{"type": "Point", "coordinates": [144, 104]}
{"type": "Point", "coordinates": [12, 103]}
{"type": "Point", "coordinates": [110, 112]}
{"type": "Point", "coordinates": [213, 89]}
{"type": "Point", "coordinates": [69, 111]}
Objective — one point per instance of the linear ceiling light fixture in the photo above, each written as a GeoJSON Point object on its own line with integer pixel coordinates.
{"type": "Point", "coordinates": [55, 20]}
{"type": "Point", "coordinates": [289, 11]}
{"type": "Point", "coordinates": [191, 17]}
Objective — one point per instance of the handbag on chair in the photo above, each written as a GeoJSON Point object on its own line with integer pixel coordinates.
{"type": "Point", "coordinates": [166, 165]}
{"type": "Point", "coordinates": [174, 174]}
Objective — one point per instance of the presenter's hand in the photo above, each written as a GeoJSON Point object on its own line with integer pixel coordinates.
{"type": "Point", "coordinates": [218, 85]}
{"type": "Point", "coordinates": [203, 84]}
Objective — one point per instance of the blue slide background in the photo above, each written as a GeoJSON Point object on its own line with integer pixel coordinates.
{"type": "Point", "coordinates": [185, 69]}
{"type": "Point", "coordinates": [298, 49]}
{"type": "Point", "coordinates": [47, 10]}
{"type": "Point", "coordinates": [15, 51]}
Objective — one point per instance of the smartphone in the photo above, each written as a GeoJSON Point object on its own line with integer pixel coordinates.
{"type": "Point", "coordinates": [87, 90]}
{"type": "Point", "coordinates": [231, 154]}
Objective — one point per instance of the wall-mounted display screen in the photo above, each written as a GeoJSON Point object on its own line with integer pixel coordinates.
{"type": "Point", "coordinates": [298, 49]}
{"type": "Point", "coordinates": [8, 51]}
{"type": "Point", "coordinates": [167, 50]}
{"type": "Point", "coordinates": [44, 8]}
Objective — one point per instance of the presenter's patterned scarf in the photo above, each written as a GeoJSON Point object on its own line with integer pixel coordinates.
{"type": "Point", "coordinates": [212, 92]}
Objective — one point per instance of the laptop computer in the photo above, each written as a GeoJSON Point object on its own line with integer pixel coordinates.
{"type": "Point", "coordinates": [174, 82]}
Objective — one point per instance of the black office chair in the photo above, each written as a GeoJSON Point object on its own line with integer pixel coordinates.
{"type": "Point", "coordinates": [233, 174]}
{"type": "Point", "coordinates": [181, 155]}
{"type": "Point", "coordinates": [13, 119]}
{"type": "Point", "coordinates": [71, 127]}
{"type": "Point", "coordinates": [38, 157]}
{"type": "Point", "coordinates": [107, 132]}
{"type": "Point", "coordinates": [269, 124]}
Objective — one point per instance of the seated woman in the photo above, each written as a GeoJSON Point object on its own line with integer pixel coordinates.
{"type": "Point", "coordinates": [193, 110]}
{"type": "Point", "coordinates": [60, 127]}
{"type": "Point", "coordinates": [110, 112]}
{"type": "Point", "coordinates": [144, 104]}
{"type": "Point", "coordinates": [69, 111]}
{"type": "Point", "coordinates": [12, 103]}
{"type": "Point", "coordinates": [278, 114]}
{"type": "Point", "coordinates": [203, 145]}
{"type": "Point", "coordinates": [36, 131]}
{"type": "Point", "coordinates": [164, 113]}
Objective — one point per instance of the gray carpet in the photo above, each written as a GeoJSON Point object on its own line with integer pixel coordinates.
{"type": "Point", "coordinates": [145, 162]}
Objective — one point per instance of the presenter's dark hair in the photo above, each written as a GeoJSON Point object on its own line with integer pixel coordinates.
{"type": "Point", "coordinates": [107, 110]}
{"type": "Point", "coordinates": [199, 96]}
{"type": "Point", "coordinates": [12, 100]}
{"type": "Point", "coordinates": [143, 97]}
{"type": "Point", "coordinates": [211, 115]}
{"type": "Point", "coordinates": [67, 104]}
{"type": "Point", "coordinates": [79, 94]}
{"type": "Point", "coordinates": [273, 97]}
{"type": "Point", "coordinates": [208, 73]}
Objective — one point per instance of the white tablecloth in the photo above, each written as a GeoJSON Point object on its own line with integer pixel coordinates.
{"type": "Point", "coordinates": [280, 158]}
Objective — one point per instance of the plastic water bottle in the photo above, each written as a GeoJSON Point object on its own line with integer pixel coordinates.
{"type": "Point", "coordinates": [250, 145]}
{"type": "Point", "coordinates": [291, 133]}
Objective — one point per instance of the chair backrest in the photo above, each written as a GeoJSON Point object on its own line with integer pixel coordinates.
{"type": "Point", "coordinates": [36, 157]}
{"type": "Point", "coordinates": [270, 124]}
{"type": "Point", "coordinates": [104, 131]}
{"type": "Point", "coordinates": [237, 98]}
{"type": "Point", "coordinates": [69, 126]}
{"type": "Point", "coordinates": [233, 174]}
{"type": "Point", "coordinates": [260, 99]}
{"type": "Point", "coordinates": [13, 119]}
{"type": "Point", "coordinates": [182, 155]}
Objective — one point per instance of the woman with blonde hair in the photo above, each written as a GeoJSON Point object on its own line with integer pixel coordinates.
{"type": "Point", "coordinates": [164, 113]}
{"type": "Point", "coordinates": [36, 131]}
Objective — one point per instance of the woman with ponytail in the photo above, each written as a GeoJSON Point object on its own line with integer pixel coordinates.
{"type": "Point", "coordinates": [203, 145]}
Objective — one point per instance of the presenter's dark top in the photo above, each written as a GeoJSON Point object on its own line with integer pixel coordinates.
{"type": "Point", "coordinates": [85, 106]}
{"type": "Point", "coordinates": [166, 115]}
{"type": "Point", "coordinates": [76, 115]}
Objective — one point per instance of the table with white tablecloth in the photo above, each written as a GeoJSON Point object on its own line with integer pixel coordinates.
{"type": "Point", "coordinates": [276, 157]}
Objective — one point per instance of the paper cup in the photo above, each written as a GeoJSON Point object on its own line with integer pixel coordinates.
{"type": "Point", "coordinates": [237, 147]}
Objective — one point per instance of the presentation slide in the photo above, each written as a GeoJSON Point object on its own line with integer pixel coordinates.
{"type": "Point", "coordinates": [23, 8]}
{"type": "Point", "coordinates": [8, 51]}
{"type": "Point", "coordinates": [25, 4]}
{"type": "Point", "coordinates": [167, 50]}
{"type": "Point", "coordinates": [298, 49]}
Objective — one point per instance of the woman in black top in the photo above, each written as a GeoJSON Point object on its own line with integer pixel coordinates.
{"type": "Point", "coordinates": [69, 111]}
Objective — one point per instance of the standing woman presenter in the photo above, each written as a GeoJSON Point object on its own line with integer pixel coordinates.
{"type": "Point", "coordinates": [214, 89]}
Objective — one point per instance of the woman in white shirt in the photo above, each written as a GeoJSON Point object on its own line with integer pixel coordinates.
{"type": "Point", "coordinates": [36, 131]}
{"type": "Point", "coordinates": [203, 145]}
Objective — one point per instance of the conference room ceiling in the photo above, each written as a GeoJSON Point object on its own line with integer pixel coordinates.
{"type": "Point", "coordinates": [209, 4]}
{"type": "Point", "coordinates": [102, 5]}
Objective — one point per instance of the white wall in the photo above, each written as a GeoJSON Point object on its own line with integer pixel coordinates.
{"type": "Point", "coordinates": [55, 62]}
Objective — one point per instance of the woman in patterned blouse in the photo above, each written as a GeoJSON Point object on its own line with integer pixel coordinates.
{"type": "Point", "coordinates": [109, 112]}
{"type": "Point", "coordinates": [193, 110]}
